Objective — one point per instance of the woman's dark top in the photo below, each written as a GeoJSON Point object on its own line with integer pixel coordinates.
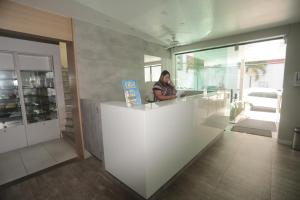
{"type": "Point", "coordinates": [166, 89]}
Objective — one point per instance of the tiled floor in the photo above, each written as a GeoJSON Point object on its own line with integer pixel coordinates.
{"type": "Point", "coordinates": [238, 166]}
{"type": "Point", "coordinates": [22, 162]}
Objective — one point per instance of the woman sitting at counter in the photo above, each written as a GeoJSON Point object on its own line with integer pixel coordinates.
{"type": "Point", "coordinates": [164, 89]}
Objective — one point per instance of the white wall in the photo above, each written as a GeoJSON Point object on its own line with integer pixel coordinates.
{"type": "Point", "coordinates": [290, 114]}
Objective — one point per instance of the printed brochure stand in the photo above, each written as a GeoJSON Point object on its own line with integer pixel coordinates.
{"type": "Point", "coordinates": [132, 92]}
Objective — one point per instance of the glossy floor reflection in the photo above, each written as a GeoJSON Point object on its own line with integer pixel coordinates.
{"type": "Point", "coordinates": [22, 162]}
{"type": "Point", "coordinates": [238, 166]}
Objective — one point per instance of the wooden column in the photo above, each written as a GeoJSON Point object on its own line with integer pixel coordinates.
{"type": "Point", "coordinates": [73, 79]}
{"type": "Point", "coordinates": [24, 19]}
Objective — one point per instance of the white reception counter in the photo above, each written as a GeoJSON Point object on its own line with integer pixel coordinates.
{"type": "Point", "coordinates": [146, 146]}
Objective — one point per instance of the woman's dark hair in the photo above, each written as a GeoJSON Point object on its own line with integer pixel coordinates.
{"type": "Point", "coordinates": [163, 74]}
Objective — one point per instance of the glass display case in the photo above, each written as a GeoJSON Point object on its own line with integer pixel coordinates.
{"type": "Point", "coordinates": [31, 93]}
{"type": "Point", "coordinates": [39, 95]}
{"type": "Point", "coordinates": [10, 108]}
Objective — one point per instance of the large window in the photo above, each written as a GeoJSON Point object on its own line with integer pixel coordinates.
{"type": "Point", "coordinates": [237, 68]}
{"type": "Point", "coordinates": [152, 68]}
{"type": "Point", "coordinates": [152, 72]}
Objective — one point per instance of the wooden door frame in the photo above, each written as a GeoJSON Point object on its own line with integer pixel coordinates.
{"type": "Point", "coordinates": [71, 56]}
{"type": "Point", "coordinates": [24, 22]}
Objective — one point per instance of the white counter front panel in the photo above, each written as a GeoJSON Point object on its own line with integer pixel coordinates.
{"type": "Point", "coordinates": [146, 146]}
{"type": "Point", "coordinates": [124, 145]}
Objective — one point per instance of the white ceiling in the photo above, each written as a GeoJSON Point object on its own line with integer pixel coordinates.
{"type": "Point", "coordinates": [189, 20]}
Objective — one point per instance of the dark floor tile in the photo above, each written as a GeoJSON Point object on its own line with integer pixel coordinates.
{"type": "Point", "coordinates": [206, 171]}
{"type": "Point", "coordinates": [219, 194]}
{"type": "Point", "coordinates": [187, 188]}
{"type": "Point", "coordinates": [17, 192]}
{"type": "Point", "coordinates": [249, 167]}
{"type": "Point", "coordinates": [285, 183]}
{"type": "Point", "coordinates": [284, 162]}
{"type": "Point", "coordinates": [243, 188]}
{"type": "Point", "coordinates": [238, 166]}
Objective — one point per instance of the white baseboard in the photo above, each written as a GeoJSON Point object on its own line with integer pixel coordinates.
{"type": "Point", "coordinates": [284, 142]}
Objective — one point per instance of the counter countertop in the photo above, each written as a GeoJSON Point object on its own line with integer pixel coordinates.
{"type": "Point", "coordinates": [155, 105]}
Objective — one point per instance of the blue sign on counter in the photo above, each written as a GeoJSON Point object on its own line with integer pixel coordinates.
{"type": "Point", "coordinates": [132, 92]}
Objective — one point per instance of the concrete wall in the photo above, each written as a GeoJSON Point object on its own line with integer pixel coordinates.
{"type": "Point", "coordinates": [106, 57]}
{"type": "Point", "coordinates": [290, 114]}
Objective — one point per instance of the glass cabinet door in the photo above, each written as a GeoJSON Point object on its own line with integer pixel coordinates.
{"type": "Point", "coordinates": [39, 95]}
{"type": "Point", "coordinates": [10, 108]}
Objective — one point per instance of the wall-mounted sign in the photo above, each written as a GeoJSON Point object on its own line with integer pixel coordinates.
{"type": "Point", "coordinates": [132, 92]}
{"type": "Point", "coordinates": [297, 79]}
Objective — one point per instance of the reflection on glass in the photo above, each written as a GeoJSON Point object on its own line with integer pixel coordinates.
{"type": "Point", "coordinates": [39, 95]}
{"type": "Point", "coordinates": [208, 70]}
{"type": "Point", "coordinates": [10, 108]}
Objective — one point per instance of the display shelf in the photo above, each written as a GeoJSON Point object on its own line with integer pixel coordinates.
{"type": "Point", "coordinates": [41, 113]}
{"type": "Point", "coordinates": [30, 87]}
{"type": "Point", "coordinates": [10, 99]}
{"type": "Point", "coordinates": [10, 109]}
{"type": "Point", "coordinates": [12, 88]}
{"type": "Point", "coordinates": [8, 79]}
{"type": "Point", "coordinates": [40, 104]}
{"type": "Point", "coordinates": [7, 119]}
{"type": "Point", "coordinates": [39, 95]}
{"type": "Point", "coordinates": [40, 117]}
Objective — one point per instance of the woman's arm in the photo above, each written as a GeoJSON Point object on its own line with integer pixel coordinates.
{"type": "Point", "coordinates": [161, 97]}
{"type": "Point", "coordinates": [174, 91]}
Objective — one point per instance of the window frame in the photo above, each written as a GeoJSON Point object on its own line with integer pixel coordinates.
{"type": "Point", "coordinates": [150, 67]}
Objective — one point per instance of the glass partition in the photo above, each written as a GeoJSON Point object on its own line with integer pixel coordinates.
{"type": "Point", "coordinates": [208, 70]}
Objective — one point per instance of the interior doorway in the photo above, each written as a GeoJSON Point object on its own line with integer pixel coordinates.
{"type": "Point", "coordinates": [32, 106]}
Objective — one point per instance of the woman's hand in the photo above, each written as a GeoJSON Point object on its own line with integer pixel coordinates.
{"type": "Point", "coordinates": [174, 91]}
{"type": "Point", "coordinates": [158, 94]}
{"type": "Point", "coordinates": [171, 83]}
{"type": "Point", "coordinates": [173, 97]}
